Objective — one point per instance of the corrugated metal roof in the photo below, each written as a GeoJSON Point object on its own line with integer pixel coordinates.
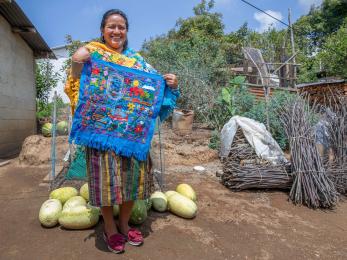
{"type": "Point", "coordinates": [20, 24]}
{"type": "Point", "coordinates": [323, 82]}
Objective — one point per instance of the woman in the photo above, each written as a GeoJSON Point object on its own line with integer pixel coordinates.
{"type": "Point", "coordinates": [120, 171]}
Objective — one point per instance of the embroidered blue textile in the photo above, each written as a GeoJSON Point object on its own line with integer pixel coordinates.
{"type": "Point", "coordinates": [117, 108]}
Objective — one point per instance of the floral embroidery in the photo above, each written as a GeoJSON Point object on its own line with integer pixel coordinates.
{"type": "Point", "coordinates": [115, 112]}
{"type": "Point", "coordinates": [136, 83]}
{"type": "Point", "coordinates": [131, 107]}
{"type": "Point", "coordinates": [102, 118]}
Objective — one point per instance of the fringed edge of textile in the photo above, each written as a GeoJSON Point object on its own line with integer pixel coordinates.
{"type": "Point", "coordinates": [119, 146]}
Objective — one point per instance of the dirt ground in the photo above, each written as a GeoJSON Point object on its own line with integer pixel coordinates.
{"type": "Point", "coordinates": [229, 225]}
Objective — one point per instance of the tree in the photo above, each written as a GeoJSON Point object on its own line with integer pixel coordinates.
{"type": "Point", "coordinates": [204, 24]}
{"type": "Point", "coordinates": [312, 29]}
{"type": "Point", "coordinates": [203, 8]}
{"type": "Point", "coordinates": [71, 46]}
{"type": "Point", "coordinates": [45, 80]}
{"type": "Point", "coordinates": [194, 51]}
{"type": "Point", "coordinates": [333, 54]}
{"type": "Point", "coordinates": [313, 34]}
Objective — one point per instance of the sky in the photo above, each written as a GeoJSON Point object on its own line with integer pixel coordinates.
{"type": "Point", "coordinates": [54, 19]}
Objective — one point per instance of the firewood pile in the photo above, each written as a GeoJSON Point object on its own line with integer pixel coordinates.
{"type": "Point", "coordinates": [313, 180]}
{"type": "Point", "coordinates": [243, 169]}
{"type": "Point", "coordinates": [336, 115]}
{"type": "Point", "coordinates": [311, 185]}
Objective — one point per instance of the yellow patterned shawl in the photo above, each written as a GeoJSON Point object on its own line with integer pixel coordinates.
{"type": "Point", "coordinates": [72, 86]}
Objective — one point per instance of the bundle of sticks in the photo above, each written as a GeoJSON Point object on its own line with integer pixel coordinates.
{"type": "Point", "coordinates": [243, 169]}
{"type": "Point", "coordinates": [338, 175]}
{"type": "Point", "coordinates": [335, 111]}
{"type": "Point", "coordinates": [311, 185]}
{"type": "Point", "coordinates": [260, 176]}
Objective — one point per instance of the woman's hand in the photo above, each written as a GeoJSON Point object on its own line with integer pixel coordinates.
{"type": "Point", "coordinates": [81, 55]}
{"type": "Point", "coordinates": [78, 58]}
{"type": "Point", "coordinates": [171, 80]}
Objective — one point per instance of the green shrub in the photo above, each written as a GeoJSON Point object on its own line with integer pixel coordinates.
{"type": "Point", "coordinates": [233, 100]}
{"type": "Point", "coordinates": [237, 100]}
{"type": "Point", "coordinates": [45, 110]}
{"type": "Point", "coordinates": [214, 140]}
{"type": "Point", "coordinates": [276, 102]}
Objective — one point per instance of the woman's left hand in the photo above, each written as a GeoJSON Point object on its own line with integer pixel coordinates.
{"type": "Point", "coordinates": [171, 80]}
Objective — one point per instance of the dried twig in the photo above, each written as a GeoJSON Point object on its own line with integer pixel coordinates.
{"type": "Point", "coordinates": [244, 170]}
{"type": "Point", "coordinates": [311, 185]}
{"type": "Point", "coordinates": [335, 114]}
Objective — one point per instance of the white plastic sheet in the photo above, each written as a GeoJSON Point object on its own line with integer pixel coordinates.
{"type": "Point", "coordinates": [257, 136]}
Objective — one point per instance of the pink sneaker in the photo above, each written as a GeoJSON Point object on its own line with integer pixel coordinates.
{"type": "Point", "coordinates": [115, 243]}
{"type": "Point", "coordinates": [135, 237]}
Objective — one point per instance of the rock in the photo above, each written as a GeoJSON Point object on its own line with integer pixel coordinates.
{"type": "Point", "coordinates": [36, 150]}
{"type": "Point", "coordinates": [199, 169]}
{"type": "Point", "coordinates": [219, 173]}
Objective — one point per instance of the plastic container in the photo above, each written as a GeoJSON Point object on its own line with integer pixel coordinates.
{"type": "Point", "coordinates": [182, 121]}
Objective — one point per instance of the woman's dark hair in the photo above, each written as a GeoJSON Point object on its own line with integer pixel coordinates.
{"type": "Point", "coordinates": [107, 15]}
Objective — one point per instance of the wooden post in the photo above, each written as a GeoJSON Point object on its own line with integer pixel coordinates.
{"type": "Point", "coordinates": [293, 48]}
{"type": "Point", "coordinates": [282, 71]}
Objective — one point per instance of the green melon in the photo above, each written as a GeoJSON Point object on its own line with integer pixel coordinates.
{"type": "Point", "coordinates": [182, 206]}
{"type": "Point", "coordinates": [62, 128]}
{"type": "Point", "coordinates": [84, 191]}
{"type": "Point", "coordinates": [47, 130]}
{"type": "Point", "coordinates": [187, 191]}
{"type": "Point", "coordinates": [89, 206]}
{"type": "Point", "coordinates": [138, 212]}
{"type": "Point", "coordinates": [148, 204]}
{"type": "Point", "coordinates": [169, 193]}
{"type": "Point", "coordinates": [159, 201]}
{"type": "Point", "coordinates": [63, 194]}
{"type": "Point", "coordinates": [79, 217]}
{"type": "Point", "coordinates": [74, 202]}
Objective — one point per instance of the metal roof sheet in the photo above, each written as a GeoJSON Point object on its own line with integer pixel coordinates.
{"type": "Point", "coordinates": [20, 24]}
{"type": "Point", "coordinates": [323, 82]}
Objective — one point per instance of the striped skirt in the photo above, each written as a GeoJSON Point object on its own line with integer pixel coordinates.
{"type": "Point", "coordinates": [114, 179]}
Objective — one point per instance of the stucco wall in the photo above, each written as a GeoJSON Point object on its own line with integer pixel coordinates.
{"type": "Point", "coordinates": [62, 55]}
{"type": "Point", "coordinates": [17, 91]}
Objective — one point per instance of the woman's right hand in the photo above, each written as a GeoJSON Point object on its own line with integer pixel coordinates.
{"type": "Point", "coordinates": [78, 58]}
{"type": "Point", "coordinates": [81, 55]}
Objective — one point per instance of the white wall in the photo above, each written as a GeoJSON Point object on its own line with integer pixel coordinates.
{"type": "Point", "coordinates": [17, 91]}
{"type": "Point", "coordinates": [62, 55]}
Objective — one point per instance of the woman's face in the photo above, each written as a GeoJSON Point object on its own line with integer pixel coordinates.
{"type": "Point", "coordinates": [115, 32]}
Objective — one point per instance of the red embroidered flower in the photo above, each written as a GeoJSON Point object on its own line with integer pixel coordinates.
{"type": "Point", "coordinates": [127, 81]}
{"type": "Point", "coordinates": [141, 92]}
{"type": "Point", "coordinates": [138, 129]}
{"type": "Point", "coordinates": [135, 91]}
{"type": "Point", "coordinates": [95, 71]}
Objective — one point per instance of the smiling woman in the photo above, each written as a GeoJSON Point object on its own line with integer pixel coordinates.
{"type": "Point", "coordinates": [114, 29]}
{"type": "Point", "coordinates": [125, 105]}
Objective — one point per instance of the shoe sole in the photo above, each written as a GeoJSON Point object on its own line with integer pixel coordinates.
{"type": "Point", "coordinates": [115, 251]}
{"type": "Point", "coordinates": [135, 243]}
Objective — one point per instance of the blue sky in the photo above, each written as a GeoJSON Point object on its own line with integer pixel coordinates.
{"type": "Point", "coordinates": [81, 18]}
